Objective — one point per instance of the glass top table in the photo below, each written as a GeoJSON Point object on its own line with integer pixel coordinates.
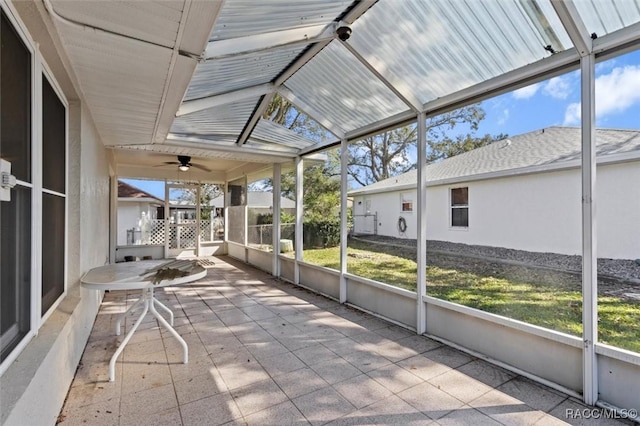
{"type": "Point", "coordinates": [144, 276]}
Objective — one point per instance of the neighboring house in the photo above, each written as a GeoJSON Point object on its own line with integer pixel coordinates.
{"type": "Point", "coordinates": [135, 209]}
{"type": "Point", "coordinates": [522, 193]}
{"type": "Point", "coordinates": [260, 202]}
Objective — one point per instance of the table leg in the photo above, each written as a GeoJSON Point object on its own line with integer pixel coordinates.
{"type": "Point", "coordinates": [123, 315]}
{"type": "Point", "coordinates": [166, 325]}
{"type": "Point", "coordinates": [146, 297]}
{"type": "Point", "coordinates": [167, 310]}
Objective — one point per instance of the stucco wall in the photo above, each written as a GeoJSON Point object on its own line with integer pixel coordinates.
{"type": "Point", "coordinates": [94, 199]}
{"type": "Point", "coordinates": [540, 213]}
{"type": "Point", "coordinates": [35, 385]}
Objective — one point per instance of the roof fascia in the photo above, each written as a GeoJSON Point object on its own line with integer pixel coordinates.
{"type": "Point", "coordinates": [567, 165]}
{"type": "Point", "coordinates": [402, 187]}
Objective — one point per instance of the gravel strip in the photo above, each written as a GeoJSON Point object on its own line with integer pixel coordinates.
{"type": "Point", "coordinates": [622, 269]}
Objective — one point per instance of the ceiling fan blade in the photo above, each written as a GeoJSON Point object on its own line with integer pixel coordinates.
{"type": "Point", "coordinates": [167, 163]}
{"type": "Point", "coordinates": [198, 166]}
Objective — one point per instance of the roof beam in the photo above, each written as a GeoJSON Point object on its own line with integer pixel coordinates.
{"type": "Point", "coordinates": [410, 100]}
{"type": "Point", "coordinates": [195, 105]}
{"type": "Point", "coordinates": [573, 24]}
{"type": "Point", "coordinates": [255, 117]}
{"type": "Point", "coordinates": [357, 11]}
{"type": "Point", "coordinates": [624, 39]}
{"type": "Point", "coordinates": [198, 143]}
{"type": "Point", "coordinates": [309, 110]}
{"type": "Point", "coordinates": [262, 42]}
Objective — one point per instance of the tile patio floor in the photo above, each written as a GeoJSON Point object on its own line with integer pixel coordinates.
{"type": "Point", "coordinates": [265, 352]}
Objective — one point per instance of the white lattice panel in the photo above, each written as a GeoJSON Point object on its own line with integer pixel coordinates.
{"type": "Point", "coordinates": [182, 236]}
{"type": "Point", "coordinates": [157, 232]}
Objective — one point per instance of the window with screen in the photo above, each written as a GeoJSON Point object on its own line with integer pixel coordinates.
{"type": "Point", "coordinates": [460, 207]}
{"type": "Point", "coordinates": [53, 196]}
{"type": "Point", "coordinates": [15, 215]}
{"type": "Point", "coordinates": [406, 203]}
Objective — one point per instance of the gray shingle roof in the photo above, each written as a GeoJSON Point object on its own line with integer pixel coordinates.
{"type": "Point", "coordinates": [553, 147]}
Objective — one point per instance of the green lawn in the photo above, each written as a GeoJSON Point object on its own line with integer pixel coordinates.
{"type": "Point", "coordinates": [524, 298]}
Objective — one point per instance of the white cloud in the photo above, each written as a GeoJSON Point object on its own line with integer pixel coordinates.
{"type": "Point", "coordinates": [503, 117]}
{"type": "Point", "coordinates": [572, 114]}
{"type": "Point", "coordinates": [615, 93]}
{"type": "Point", "coordinates": [606, 66]}
{"type": "Point", "coordinates": [526, 92]}
{"type": "Point", "coordinates": [558, 88]}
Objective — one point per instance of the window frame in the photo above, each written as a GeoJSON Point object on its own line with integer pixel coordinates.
{"type": "Point", "coordinates": [33, 325]}
{"type": "Point", "coordinates": [406, 198]}
{"type": "Point", "coordinates": [453, 206]}
{"type": "Point", "coordinates": [45, 72]}
{"type": "Point", "coordinates": [39, 71]}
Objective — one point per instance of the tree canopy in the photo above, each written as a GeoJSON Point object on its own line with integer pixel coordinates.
{"type": "Point", "coordinates": [391, 153]}
{"type": "Point", "coordinates": [378, 157]}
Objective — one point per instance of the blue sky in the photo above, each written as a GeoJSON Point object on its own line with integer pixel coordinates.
{"type": "Point", "coordinates": [554, 102]}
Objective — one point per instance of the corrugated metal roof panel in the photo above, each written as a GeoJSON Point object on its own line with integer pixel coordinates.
{"type": "Point", "coordinates": [606, 16]}
{"type": "Point", "coordinates": [241, 18]}
{"type": "Point", "coordinates": [222, 120]}
{"type": "Point", "coordinates": [269, 146]}
{"type": "Point", "coordinates": [434, 48]}
{"type": "Point", "coordinates": [343, 90]}
{"type": "Point", "coordinates": [271, 132]}
{"type": "Point", "coordinates": [228, 74]}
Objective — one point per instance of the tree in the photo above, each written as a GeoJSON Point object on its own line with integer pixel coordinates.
{"type": "Point", "coordinates": [321, 188]}
{"type": "Point", "coordinates": [379, 157]}
{"type": "Point", "coordinates": [382, 156]}
{"type": "Point", "coordinates": [282, 112]}
{"type": "Point", "coordinates": [208, 191]}
{"type": "Point", "coordinates": [321, 199]}
{"type": "Point", "coordinates": [448, 147]}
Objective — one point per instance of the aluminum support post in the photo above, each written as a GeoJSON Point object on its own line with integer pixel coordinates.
{"type": "Point", "coordinates": [589, 254]}
{"type": "Point", "coordinates": [421, 285]}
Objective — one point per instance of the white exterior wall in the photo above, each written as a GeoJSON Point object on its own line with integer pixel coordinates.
{"type": "Point", "coordinates": [618, 211]}
{"type": "Point", "coordinates": [35, 385]}
{"type": "Point", "coordinates": [388, 207]}
{"type": "Point", "coordinates": [129, 214]}
{"type": "Point", "coordinates": [539, 212]}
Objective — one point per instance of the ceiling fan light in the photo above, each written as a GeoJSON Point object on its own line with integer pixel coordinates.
{"type": "Point", "coordinates": [183, 167]}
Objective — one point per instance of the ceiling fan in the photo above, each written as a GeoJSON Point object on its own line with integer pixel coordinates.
{"type": "Point", "coordinates": [184, 164]}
